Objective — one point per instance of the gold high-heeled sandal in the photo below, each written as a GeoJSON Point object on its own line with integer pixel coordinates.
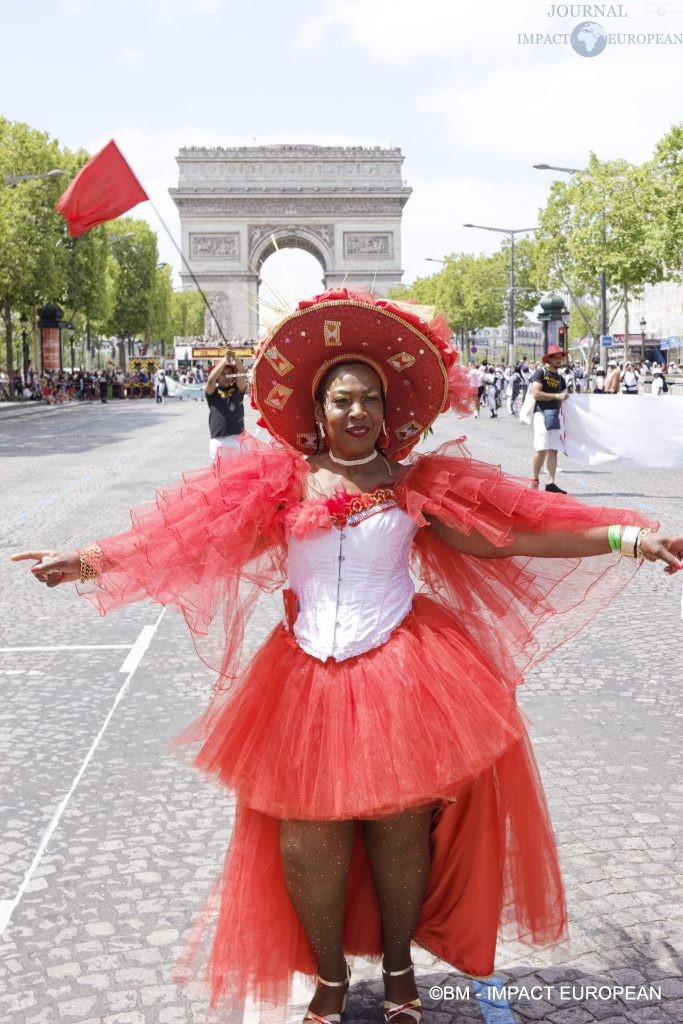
{"type": "Point", "coordinates": [331, 1018]}
{"type": "Point", "coordinates": [413, 1007]}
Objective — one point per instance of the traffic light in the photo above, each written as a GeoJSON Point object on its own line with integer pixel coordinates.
{"type": "Point", "coordinates": [562, 335]}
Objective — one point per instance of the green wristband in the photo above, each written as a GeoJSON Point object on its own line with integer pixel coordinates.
{"type": "Point", "coordinates": [614, 537]}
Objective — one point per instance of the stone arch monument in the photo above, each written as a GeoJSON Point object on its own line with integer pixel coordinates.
{"type": "Point", "coordinates": [237, 206]}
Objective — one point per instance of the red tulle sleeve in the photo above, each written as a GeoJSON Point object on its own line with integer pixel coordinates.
{"type": "Point", "coordinates": [517, 609]}
{"type": "Point", "coordinates": [198, 544]}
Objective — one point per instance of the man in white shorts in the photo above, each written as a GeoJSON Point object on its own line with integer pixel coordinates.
{"type": "Point", "coordinates": [549, 388]}
{"type": "Point", "coordinates": [224, 391]}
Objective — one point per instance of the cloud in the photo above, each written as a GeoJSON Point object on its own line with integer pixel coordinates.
{"type": "Point", "coordinates": [133, 58]}
{"type": "Point", "coordinates": [169, 11]}
{"type": "Point", "coordinates": [311, 33]}
{"type": "Point", "coordinates": [488, 99]}
{"type": "Point", "coordinates": [398, 32]}
{"type": "Point", "coordinates": [401, 32]}
{"type": "Point", "coordinates": [548, 111]}
{"type": "Point", "coordinates": [72, 8]}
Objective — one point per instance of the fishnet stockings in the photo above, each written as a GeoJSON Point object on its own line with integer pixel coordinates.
{"type": "Point", "coordinates": [316, 857]}
{"type": "Point", "coordinates": [398, 851]}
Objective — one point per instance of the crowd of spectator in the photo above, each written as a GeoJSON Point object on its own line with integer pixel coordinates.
{"type": "Point", "coordinates": [501, 386]}
{"type": "Point", "coordinates": [59, 386]}
{"type": "Point", "coordinates": [498, 385]}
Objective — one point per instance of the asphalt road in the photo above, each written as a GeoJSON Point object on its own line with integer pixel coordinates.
{"type": "Point", "coordinates": [108, 844]}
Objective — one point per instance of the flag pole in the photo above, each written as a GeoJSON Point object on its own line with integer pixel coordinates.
{"type": "Point", "coordinates": [190, 272]}
{"type": "Point", "coordinates": [86, 203]}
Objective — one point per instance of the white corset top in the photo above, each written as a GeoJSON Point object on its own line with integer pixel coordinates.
{"type": "Point", "coordinates": [353, 585]}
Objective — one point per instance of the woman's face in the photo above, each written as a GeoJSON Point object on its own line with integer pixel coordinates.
{"type": "Point", "coordinates": [351, 410]}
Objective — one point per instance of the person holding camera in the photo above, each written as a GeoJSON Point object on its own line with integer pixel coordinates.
{"type": "Point", "coordinates": [224, 390]}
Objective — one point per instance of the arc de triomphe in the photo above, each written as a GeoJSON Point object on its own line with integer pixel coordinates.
{"type": "Point", "coordinates": [238, 205]}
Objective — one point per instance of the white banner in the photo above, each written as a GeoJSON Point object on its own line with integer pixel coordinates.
{"type": "Point", "coordinates": [178, 390]}
{"type": "Point", "coordinates": [643, 430]}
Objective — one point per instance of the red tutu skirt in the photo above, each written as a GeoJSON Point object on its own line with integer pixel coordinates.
{"type": "Point", "coordinates": [421, 720]}
{"type": "Point", "coordinates": [428, 719]}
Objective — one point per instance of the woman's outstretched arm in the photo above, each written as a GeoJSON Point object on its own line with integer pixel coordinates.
{"type": "Point", "coordinates": [563, 544]}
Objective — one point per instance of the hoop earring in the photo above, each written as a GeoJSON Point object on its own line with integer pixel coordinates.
{"type": "Point", "coordinates": [322, 430]}
{"type": "Point", "coordinates": [384, 430]}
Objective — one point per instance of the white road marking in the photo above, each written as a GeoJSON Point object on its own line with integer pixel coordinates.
{"type": "Point", "coordinates": [70, 647]}
{"type": "Point", "coordinates": [7, 907]}
{"type": "Point", "coordinates": [137, 651]}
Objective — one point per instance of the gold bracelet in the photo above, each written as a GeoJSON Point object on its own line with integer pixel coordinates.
{"type": "Point", "coordinates": [629, 539]}
{"type": "Point", "coordinates": [639, 554]}
{"type": "Point", "coordinates": [91, 562]}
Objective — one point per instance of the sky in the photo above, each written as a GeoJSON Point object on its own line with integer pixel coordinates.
{"type": "Point", "coordinates": [473, 93]}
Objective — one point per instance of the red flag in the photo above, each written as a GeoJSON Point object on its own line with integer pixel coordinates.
{"type": "Point", "coordinates": [102, 190]}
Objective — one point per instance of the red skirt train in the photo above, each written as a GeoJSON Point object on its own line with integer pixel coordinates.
{"type": "Point", "coordinates": [421, 720]}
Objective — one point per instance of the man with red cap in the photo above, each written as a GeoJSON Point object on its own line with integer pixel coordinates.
{"type": "Point", "coordinates": [549, 388]}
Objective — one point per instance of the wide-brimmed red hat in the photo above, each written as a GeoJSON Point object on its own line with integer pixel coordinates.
{"type": "Point", "coordinates": [413, 358]}
{"type": "Point", "coordinates": [553, 350]}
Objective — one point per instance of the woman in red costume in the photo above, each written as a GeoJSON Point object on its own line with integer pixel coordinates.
{"type": "Point", "coordinates": [387, 791]}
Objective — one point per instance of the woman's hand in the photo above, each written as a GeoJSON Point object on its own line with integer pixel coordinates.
{"type": "Point", "coordinates": [53, 567]}
{"type": "Point", "coordinates": [656, 547]}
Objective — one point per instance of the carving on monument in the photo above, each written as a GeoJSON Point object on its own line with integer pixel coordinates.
{"type": "Point", "coordinates": [247, 206]}
{"type": "Point", "coordinates": [215, 244]}
{"type": "Point", "coordinates": [325, 232]}
{"type": "Point", "coordinates": [220, 306]}
{"type": "Point", "coordinates": [365, 243]}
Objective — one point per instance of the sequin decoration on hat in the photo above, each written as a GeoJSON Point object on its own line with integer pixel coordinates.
{"type": "Point", "coordinates": [413, 357]}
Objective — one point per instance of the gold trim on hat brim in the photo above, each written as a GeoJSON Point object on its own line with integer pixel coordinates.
{"type": "Point", "coordinates": [349, 357]}
{"type": "Point", "coordinates": [323, 306]}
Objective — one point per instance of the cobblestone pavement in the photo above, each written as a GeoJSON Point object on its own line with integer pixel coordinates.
{"type": "Point", "coordinates": [120, 841]}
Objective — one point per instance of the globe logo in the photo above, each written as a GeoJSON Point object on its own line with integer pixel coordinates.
{"type": "Point", "coordinates": [588, 39]}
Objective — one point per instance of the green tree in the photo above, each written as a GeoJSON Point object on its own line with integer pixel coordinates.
{"type": "Point", "coordinates": [32, 258]}
{"type": "Point", "coordinates": [135, 255]}
{"type": "Point", "coordinates": [187, 314]}
{"type": "Point", "coordinates": [422, 290]}
{"type": "Point", "coordinates": [667, 170]}
{"type": "Point", "coordinates": [605, 218]}
{"type": "Point", "coordinates": [161, 307]}
{"type": "Point", "coordinates": [472, 290]}
{"type": "Point", "coordinates": [87, 286]}
{"type": "Point", "coordinates": [529, 283]}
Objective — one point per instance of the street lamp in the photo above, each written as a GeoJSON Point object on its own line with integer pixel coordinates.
{"type": "Point", "coordinates": [643, 325]}
{"type": "Point", "coordinates": [511, 232]}
{"type": "Point", "coordinates": [603, 276]}
{"type": "Point", "coordinates": [432, 259]}
{"type": "Point", "coordinates": [551, 167]}
{"type": "Point", "coordinates": [24, 345]}
{"type": "Point", "coordinates": [15, 179]}
{"type": "Point", "coordinates": [72, 330]}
